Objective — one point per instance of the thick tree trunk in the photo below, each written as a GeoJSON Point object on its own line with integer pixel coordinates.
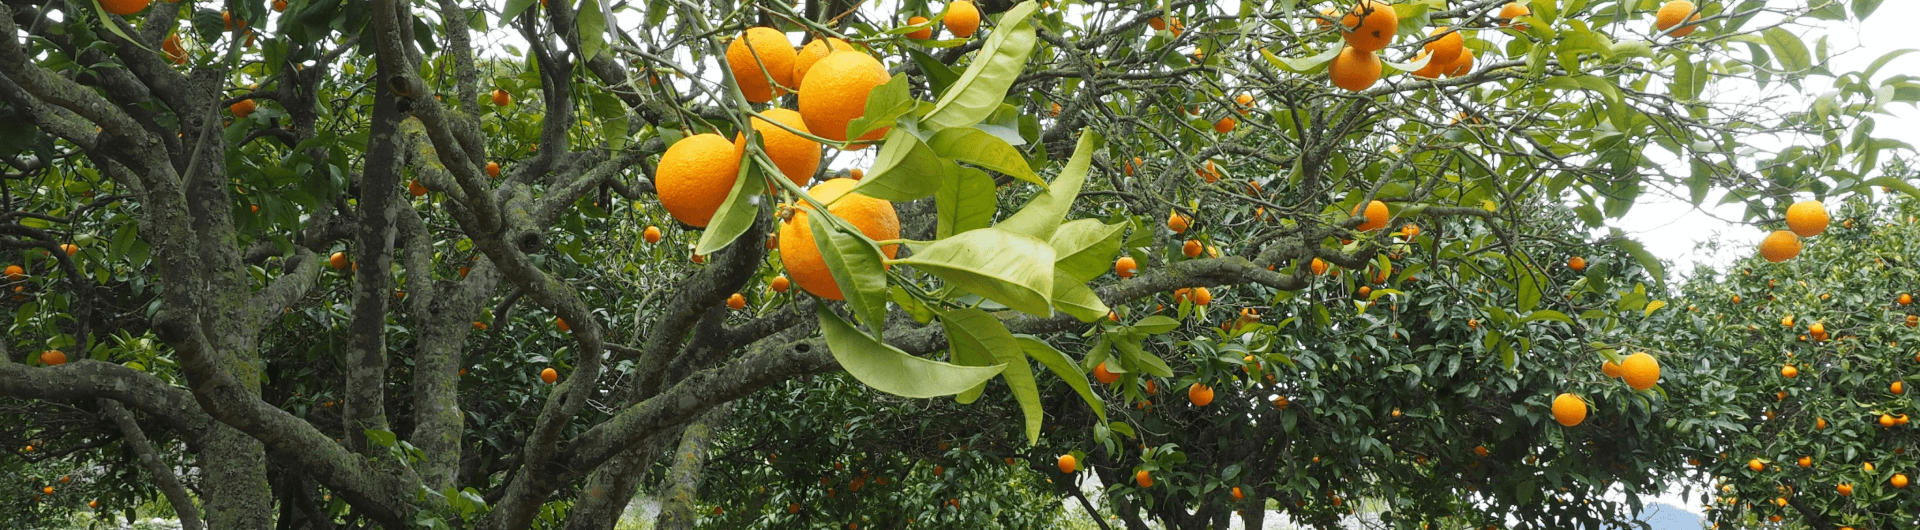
{"type": "Point", "coordinates": [236, 492]}
{"type": "Point", "coordinates": [683, 478]}
{"type": "Point", "coordinates": [611, 487]}
{"type": "Point", "coordinates": [163, 477]}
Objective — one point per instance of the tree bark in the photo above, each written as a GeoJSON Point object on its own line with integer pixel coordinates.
{"type": "Point", "coordinates": [683, 478]}
{"type": "Point", "coordinates": [163, 477]}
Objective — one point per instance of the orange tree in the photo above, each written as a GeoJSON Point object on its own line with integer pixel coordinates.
{"type": "Point", "coordinates": [360, 265]}
{"type": "Point", "coordinates": [1813, 359]}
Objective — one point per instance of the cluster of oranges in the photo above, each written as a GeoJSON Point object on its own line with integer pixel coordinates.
{"type": "Point", "coordinates": [1804, 219]}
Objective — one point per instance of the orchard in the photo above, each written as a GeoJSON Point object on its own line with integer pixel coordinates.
{"type": "Point", "coordinates": [319, 264]}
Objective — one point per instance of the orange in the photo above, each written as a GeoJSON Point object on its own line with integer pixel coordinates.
{"type": "Point", "coordinates": [1244, 101]}
{"type": "Point", "coordinates": [1844, 489]}
{"type": "Point", "coordinates": [1756, 465]}
{"type": "Point", "coordinates": [280, 5]}
{"type": "Point", "coordinates": [1177, 223]}
{"type": "Point", "coordinates": [1067, 464]}
{"type": "Point", "coordinates": [1867, 466]}
{"type": "Point", "coordinates": [1143, 479]}
{"type": "Point", "coordinates": [1201, 296]}
{"type": "Point", "coordinates": [1480, 451]}
{"type": "Point", "coordinates": [1577, 263]}
{"type": "Point", "coordinates": [1569, 410]}
{"type": "Point", "coordinates": [1354, 69]}
{"type": "Point", "coordinates": [1672, 14]}
{"type": "Point", "coordinates": [1512, 11]}
{"type": "Point", "coordinates": [1899, 480]}
{"type": "Point", "coordinates": [338, 260]}
{"type": "Point", "coordinates": [69, 248]}
{"type": "Point", "coordinates": [1807, 218]}
{"type": "Point", "coordinates": [1237, 495]}
{"type": "Point", "coordinates": [1820, 424]}
{"type": "Point", "coordinates": [922, 33]}
{"type": "Point", "coordinates": [1640, 371]}
{"type": "Point", "coordinates": [1200, 394]}
{"type": "Point", "coordinates": [1462, 66]}
{"type": "Point", "coordinates": [1904, 299]}
{"type": "Point", "coordinates": [874, 217]}
{"type": "Point", "coordinates": [226, 17]}
{"type": "Point", "coordinates": [53, 358]}
{"type": "Point", "coordinates": [549, 376]}
{"type": "Point", "coordinates": [243, 108]}
{"type": "Point", "coordinates": [562, 324]}
{"type": "Point", "coordinates": [175, 52]}
{"type": "Point", "coordinates": [1898, 387]}
{"type": "Point", "coordinates": [797, 157]}
{"type": "Point", "coordinates": [493, 169]}
{"type": "Point", "coordinates": [501, 97]}
{"type": "Point", "coordinates": [1433, 70]}
{"type": "Point", "coordinates": [479, 326]}
{"type": "Point", "coordinates": [1125, 267]}
{"type": "Point", "coordinates": [1319, 267]}
{"type": "Point", "coordinates": [736, 302]}
{"type": "Point", "coordinates": [963, 19]}
{"type": "Point", "coordinates": [415, 189]}
{"type": "Point", "coordinates": [1445, 49]}
{"type": "Point", "coordinates": [695, 176]}
{"type": "Point", "coordinates": [1610, 368]}
{"type": "Point", "coordinates": [1370, 26]}
{"type": "Point", "coordinates": [1886, 420]}
{"type": "Point", "coordinates": [1211, 173]}
{"type": "Point", "coordinates": [1053, 110]}
{"type": "Point", "coordinates": [780, 284]}
{"type": "Point", "coordinates": [813, 52]}
{"type": "Point", "coordinates": [1779, 246]}
{"type": "Point", "coordinates": [760, 54]}
{"type": "Point", "coordinates": [1157, 23]}
{"type": "Point", "coordinates": [1376, 217]}
{"type": "Point", "coordinates": [1789, 372]}
{"type": "Point", "coordinates": [1381, 275]}
{"type": "Point", "coordinates": [835, 92]}
{"type": "Point", "coordinates": [1225, 125]}
{"type": "Point", "coordinates": [1191, 248]}
{"type": "Point", "coordinates": [1105, 377]}
{"type": "Point", "coordinates": [652, 234]}
{"type": "Point", "coordinates": [125, 7]}
{"type": "Point", "coordinates": [1806, 461]}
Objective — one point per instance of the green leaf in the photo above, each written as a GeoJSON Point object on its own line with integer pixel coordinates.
{"type": "Point", "coordinates": [1547, 314]}
{"type": "Point", "coordinates": [1653, 306]}
{"type": "Point", "coordinates": [1009, 268]}
{"type": "Point", "coordinates": [904, 170]}
{"type": "Point", "coordinates": [737, 213]}
{"type": "Point", "coordinates": [855, 263]}
{"type": "Point", "coordinates": [984, 85]}
{"type": "Point", "coordinates": [884, 104]}
{"type": "Point", "coordinates": [980, 148]}
{"type": "Point", "coordinates": [115, 28]}
{"type": "Point", "coordinates": [1042, 215]}
{"type": "Point", "coordinates": [513, 9]}
{"type": "Point", "coordinates": [1139, 357]}
{"type": "Point", "coordinates": [1647, 260]}
{"type": "Point", "coordinates": [939, 76]}
{"type": "Point", "coordinates": [965, 201]}
{"type": "Point", "coordinates": [1157, 324]}
{"type": "Point", "coordinates": [1793, 53]}
{"type": "Point", "coordinates": [890, 370]}
{"type": "Point", "coordinates": [1305, 65]}
{"type": "Point", "coordinates": [1075, 298]}
{"type": "Point", "coordinates": [592, 24]}
{"type": "Point", "coordinates": [970, 328]}
{"type": "Point", "coordinates": [1066, 369]}
{"type": "Point", "coordinates": [1085, 248]}
{"type": "Point", "coordinates": [1895, 183]}
{"type": "Point", "coordinates": [381, 438]}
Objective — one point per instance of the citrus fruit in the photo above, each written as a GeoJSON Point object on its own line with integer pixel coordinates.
{"type": "Point", "coordinates": [1243, 101]}
{"type": "Point", "coordinates": [1445, 49]}
{"type": "Point", "coordinates": [1125, 267]}
{"type": "Point", "coordinates": [1067, 464]}
{"type": "Point", "coordinates": [1807, 218]}
{"type": "Point", "coordinates": [922, 33]}
{"type": "Point", "coordinates": [1462, 66]}
{"type": "Point", "coordinates": [652, 235]}
{"type": "Point", "coordinates": [1177, 223]}
{"type": "Point", "coordinates": [1779, 246]}
{"type": "Point", "coordinates": [69, 248]}
{"type": "Point", "coordinates": [1376, 217]}
{"type": "Point", "coordinates": [1899, 480]}
{"type": "Point", "coordinates": [1434, 68]}
{"type": "Point", "coordinates": [1105, 377]}
{"type": "Point", "coordinates": [493, 169]}
{"type": "Point", "coordinates": [1319, 267]}
{"type": "Point", "coordinates": [813, 52]}
{"type": "Point", "coordinates": [338, 260]}
{"type": "Point", "coordinates": [549, 376]}
{"type": "Point", "coordinates": [562, 324]}
{"type": "Point", "coordinates": [1157, 23]}
{"type": "Point", "coordinates": [874, 218]}
{"type": "Point", "coordinates": [125, 7]}
{"type": "Point", "coordinates": [1191, 248]}
{"type": "Point", "coordinates": [1569, 410]}
{"type": "Point", "coordinates": [175, 52]}
{"type": "Point", "coordinates": [242, 108]}
{"type": "Point", "coordinates": [1672, 14]}
{"type": "Point", "coordinates": [761, 60]}
{"type": "Point", "coordinates": [501, 97]}
{"type": "Point", "coordinates": [695, 176]}
{"type": "Point", "coordinates": [1370, 26]}
{"type": "Point", "coordinates": [226, 18]}
{"type": "Point", "coordinates": [415, 189]}
{"type": "Point", "coordinates": [1354, 69]}
{"type": "Point", "coordinates": [1789, 372]}
{"type": "Point", "coordinates": [1844, 489]}
{"type": "Point", "coordinates": [1200, 394]}
{"type": "Point", "coordinates": [1577, 263]}
{"type": "Point", "coordinates": [797, 157]}
{"type": "Point", "coordinates": [1756, 465]}
{"type": "Point", "coordinates": [1512, 11]}
{"type": "Point", "coordinates": [1640, 371]}
{"type": "Point", "coordinates": [1897, 387]}
{"type": "Point", "coordinates": [53, 358]}
{"type": "Point", "coordinates": [1806, 461]}
{"type": "Point", "coordinates": [1611, 369]}
{"type": "Point", "coordinates": [779, 284]}
{"type": "Point", "coordinates": [962, 19]}
{"type": "Point", "coordinates": [736, 302]}
{"type": "Point", "coordinates": [835, 92]}
{"type": "Point", "coordinates": [1142, 478]}
{"type": "Point", "coordinates": [1904, 299]}
{"type": "Point", "coordinates": [1225, 125]}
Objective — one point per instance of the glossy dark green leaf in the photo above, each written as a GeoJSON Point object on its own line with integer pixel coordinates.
{"type": "Point", "coordinates": [890, 370]}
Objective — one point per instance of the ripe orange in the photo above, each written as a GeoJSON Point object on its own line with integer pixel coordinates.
{"type": "Point", "coordinates": [415, 189]}
{"type": "Point", "coordinates": [793, 507]}
{"type": "Point", "coordinates": [1569, 410]}
{"type": "Point", "coordinates": [1789, 372]}
{"type": "Point", "coordinates": [1904, 299]}
{"type": "Point", "coordinates": [1462, 66]}
{"type": "Point", "coordinates": [1210, 173]}
{"type": "Point", "coordinates": [1897, 387]}
{"type": "Point", "coordinates": [1899, 480]}
{"type": "Point", "coordinates": [757, 55]}
{"type": "Point", "coordinates": [1319, 267]}
{"type": "Point", "coordinates": [1225, 125]}
{"type": "Point", "coordinates": [1445, 49]}
{"type": "Point", "coordinates": [338, 260]}
{"type": "Point", "coordinates": [813, 52]}
{"type": "Point", "coordinates": [695, 176]}
{"type": "Point", "coordinates": [1433, 70]}
{"type": "Point", "coordinates": [1886, 420]}
{"type": "Point", "coordinates": [835, 92]}
{"type": "Point", "coordinates": [1354, 69]}
{"type": "Point", "coordinates": [922, 33]}
{"type": "Point", "coordinates": [280, 6]}
{"type": "Point", "coordinates": [1640, 371]}
{"type": "Point", "coordinates": [1191, 248]}
{"type": "Point", "coordinates": [125, 7]}
{"type": "Point", "coordinates": [1243, 101]}
{"type": "Point", "coordinates": [1370, 26]}
{"type": "Point", "coordinates": [1820, 424]}
{"type": "Point", "coordinates": [1200, 394]}
{"type": "Point", "coordinates": [1480, 451]}
{"type": "Point", "coordinates": [874, 217]}
{"type": "Point", "coordinates": [549, 376]}
{"type": "Point", "coordinates": [1177, 223]}
{"type": "Point", "coordinates": [1577, 263]}
{"type": "Point", "coordinates": [1143, 479]}
{"type": "Point", "coordinates": [1201, 296]}
{"type": "Point", "coordinates": [1672, 14]}
{"type": "Point", "coordinates": [1756, 465]}
{"type": "Point", "coordinates": [1844, 489]}
{"type": "Point", "coordinates": [1806, 461]}
{"type": "Point", "coordinates": [1610, 368]}
{"type": "Point", "coordinates": [1807, 218]}
{"type": "Point", "coordinates": [175, 52]}
{"type": "Point", "coordinates": [736, 302]}
{"type": "Point", "coordinates": [243, 108]}
{"type": "Point", "coordinates": [493, 169]}
{"type": "Point", "coordinates": [1867, 466]}
{"type": "Point", "coordinates": [652, 235]}
{"type": "Point", "coordinates": [479, 326]}
{"type": "Point", "coordinates": [1376, 217]}
{"type": "Point", "coordinates": [1067, 464]}
{"type": "Point", "coordinates": [797, 157]}
{"type": "Point", "coordinates": [962, 18]}
{"type": "Point", "coordinates": [562, 324]}
{"type": "Point", "coordinates": [501, 97]}
{"type": "Point", "coordinates": [1105, 377]}
{"type": "Point", "coordinates": [69, 248]}
{"type": "Point", "coordinates": [1512, 11]}
{"type": "Point", "coordinates": [226, 17]}
{"type": "Point", "coordinates": [1779, 246]}
{"type": "Point", "coordinates": [53, 358]}
{"type": "Point", "coordinates": [1125, 267]}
